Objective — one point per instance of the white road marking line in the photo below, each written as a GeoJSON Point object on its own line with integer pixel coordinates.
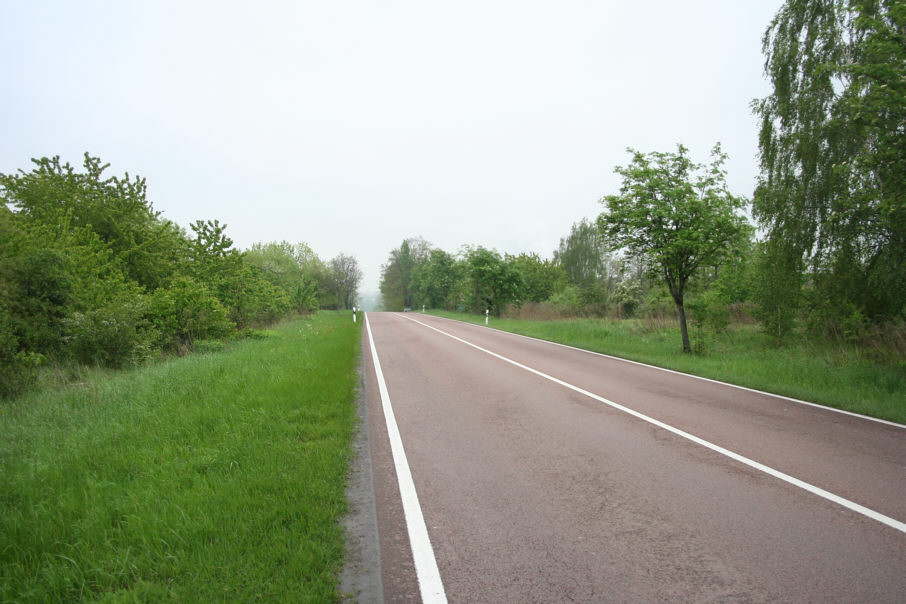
{"type": "Point", "coordinates": [851, 505]}
{"type": "Point", "coordinates": [696, 377]}
{"type": "Point", "coordinates": [429, 581]}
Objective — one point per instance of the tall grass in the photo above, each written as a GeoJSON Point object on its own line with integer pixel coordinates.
{"type": "Point", "coordinates": [843, 376]}
{"type": "Point", "coordinates": [213, 477]}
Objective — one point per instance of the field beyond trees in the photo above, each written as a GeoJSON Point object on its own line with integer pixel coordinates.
{"type": "Point", "coordinates": [219, 476]}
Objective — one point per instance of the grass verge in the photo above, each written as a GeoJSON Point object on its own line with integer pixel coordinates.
{"type": "Point", "coordinates": [214, 477]}
{"type": "Point", "coordinates": [841, 377]}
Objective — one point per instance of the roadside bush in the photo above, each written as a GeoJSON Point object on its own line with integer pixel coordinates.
{"type": "Point", "coordinates": [777, 290]}
{"type": "Point", "coordinates": [17, 367]}
{"type": "Point", "coordinates": [594, 298]}
{"type": "Point", "coordinates": [627, 297]}
{"type": "Point", "coordinates": [116, 334]}
{"type": "Point", "coordinates": [657, 304]}
{"type": "Point", "coordinates": [41, 288]}
{"type": "Point", "coordinates": [186, 312]}
{"type": "Point", "coordinates": [567, 300]}
{"type": "Point", "coordinates": [710, 317]}
{"type": "Point", "coordinates": [248, 299]}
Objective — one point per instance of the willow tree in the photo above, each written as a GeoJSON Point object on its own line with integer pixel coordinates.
{"type": "Point", "coordinates": [832, 190]}
{"type": "Point", "coordinates": [678, 215]}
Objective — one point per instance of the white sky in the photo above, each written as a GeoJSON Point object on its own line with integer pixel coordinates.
{"type": "Point", "coordinates": [352, 125]}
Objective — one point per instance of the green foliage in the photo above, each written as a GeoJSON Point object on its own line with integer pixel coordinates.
{"type": "Point", "coordinates": [115, 209]}
{"type": "Point", "coordinates": [587, 262]}
{"type": "Point", "coordinates": [628, 297]}
{"type": "Point", "coordinates": [832, 190]}
{"type": "Point", "coordinates": [408, 278]}
{"type": "Point", "coordinates": [392, 283]}
{"type": "Point", "coordinates": [90, 273]}
{"type": "Point", "coordinates": [541, 278]}
{"type": "Point", "coordinates": [710, 312]}
{"type": "Point", "coordinates": [345, 278]}
{"type": "Point", "coordinates": [185, 312]}
{"type": "Point", "coordinates": [568, 300]}
{"type": "Point", "coordinates": [17, 367]}
{"type": "Point", "coordinates": [777, 289]}
{"type": "Point", "coordinates": [677, 214]}
{"type": "Point", "coordinates": [114, 334]}
{"type": "Point", "coordinates": [581, 254]}
{"type": "Point", "coordinates": [294, 269]}
{"type": "Point", "coordinates": [434, 281]}
{"type": "Point", "coordinates": [492, 282]}
{"type": "Point", "coordinates": [42, 287]}
{"type": "Point", "coordinates": [405, 263]}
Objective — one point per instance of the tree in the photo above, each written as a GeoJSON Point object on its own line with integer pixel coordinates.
{"type": "Point", "coordinates": [589, 265]}
{"type": "Point", "coordinates": [391, 283]}
{"type": "Point", "coordinates": [677, 214]}
{"type": "Point", "coordinates": [541, 278]}
{"type": "Point", "coordinates": [90, 273]}
{"type": "Point", "coordinates": [399, 276]}
{"type": "Point", "coordinates": [346, 276]}
{"type": "Point", "coordinates": [282, 266]}
{"type": "Point", "coordinates": [435, 279]}
{"type": "Point", "coordinates": [116, 209]}
{"type": "Point", "coordinates": [832, 192]}
{"type": "Point", "coordinates": [583, 254]}
{"type": "Point", "coordinates": [492, 282]}
{"type": "Point", "coordinates": [405, 261]}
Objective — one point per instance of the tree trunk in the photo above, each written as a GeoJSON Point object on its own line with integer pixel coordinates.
{"type": "Point", "coordinates": [681, 311]}
{"type": "Point", "coordinates": [677, 287]}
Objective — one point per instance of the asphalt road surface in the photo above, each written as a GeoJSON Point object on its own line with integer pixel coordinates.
{"type": "Point", "coordinates": [547, 474]}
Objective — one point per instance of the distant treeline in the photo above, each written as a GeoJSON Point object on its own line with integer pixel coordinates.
{"type": "Point", "coordinates": [585, 278]}
{"type": "Point", "coordinates": [91, 273]}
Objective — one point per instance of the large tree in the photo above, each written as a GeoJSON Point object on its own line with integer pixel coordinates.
{"type": "Point", "coordinates": [583, 255]}
{"type": "Point", "coordinates": [589, 264]}
{"type": "Point", "coordinates": [347, 276]}
{"type": "Point", "coordinates": [492, 282]}
{"type": "Point", "coordinates": [832, 191]}
{"type": "Point", "coordinates": [148, 248]}
{"type": "Point", "coordinates": [397, 285]}
{"type": "Point", "coordinates": [678, 214]}
{"type": "Point", "coordinates": [541, 278]}
{"type": "Point", "coordinates": [435, 279]}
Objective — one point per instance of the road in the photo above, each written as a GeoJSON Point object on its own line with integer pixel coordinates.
{"type": "Point", "coordinates": [548, 474]}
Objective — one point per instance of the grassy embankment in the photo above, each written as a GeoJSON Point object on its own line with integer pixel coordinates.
{"type": "Point", "coordinates": [843, 376]}
{"type": "Point", "coordinates": [218, 476]}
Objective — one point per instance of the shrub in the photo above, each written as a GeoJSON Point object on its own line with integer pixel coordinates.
{"type": "Point", "coordinates": [185, 312]}
{"type": "Point", "coordinates": [113, 335]}
{"type": "Point", "coordinates": [628, 297]}
{"type": "Point", "coordinates": [17, 367]}
{"type": "Point", "coordinates": [710, 315]}
{"type": "Point", "coordinates": [568, 299]}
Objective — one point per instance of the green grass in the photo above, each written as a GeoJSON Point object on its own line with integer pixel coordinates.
{"type": "Point", "coordinates": [841, 377]}
{"type": "Point", "coordinates": [215, 477]}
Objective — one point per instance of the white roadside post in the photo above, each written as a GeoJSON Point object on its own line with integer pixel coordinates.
{"type": "Point", "coordinates": [353, 314]}
{"type": "Point", "coordinates": [486, 313]}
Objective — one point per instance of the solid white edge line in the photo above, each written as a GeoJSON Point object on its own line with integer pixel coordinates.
{"type": "Point", "coordinates": [429, 582]}
{"type": "Point", "coordinates": [690, 375]}
{"type": "Point", "coordinates": [851, 505]}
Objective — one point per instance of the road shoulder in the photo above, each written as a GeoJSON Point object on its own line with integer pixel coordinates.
{"type": "Point", "coordinates": [360, 580]}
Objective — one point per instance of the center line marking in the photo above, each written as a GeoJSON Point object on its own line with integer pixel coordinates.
{"type": "Point", "coordinates": [429, 581]}
{"type": "Point", "coordinates": [851, 505]}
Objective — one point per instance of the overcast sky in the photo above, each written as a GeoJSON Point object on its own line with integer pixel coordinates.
{"type": "Point", "coordinates": [352, 125]}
